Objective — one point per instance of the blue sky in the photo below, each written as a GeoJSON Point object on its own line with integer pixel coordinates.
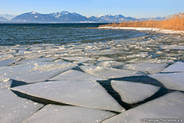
{"type": "Point", "coordinates": [135, 8]}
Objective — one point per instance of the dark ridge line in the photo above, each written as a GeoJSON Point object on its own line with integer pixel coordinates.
{"type": "Point", "coordinates": [169, 64]}
{"type": "Point", "coordinates": [19, 60]}
{"type": "Point", "coordinates": [72, 68]}
{"type": "Point", "coordinates": [37, 99]}
{"type": "Point", "coordinates": [47, 101]}
{"type": "Point", "coordinates": [161, 92]}
{"type": "Point", "coordinates": [55, 59]}
{"type": "Point", "coordinates": [50, 81]}
{"type": "Point", "coordinates": [59, 73]}
{"type": "Point", "coordinates": [170, 72]}
{"type": "Point", "coordinates": [116, 112]}
{"type": "Point", "coordinates": [173, 90]}
{"type": "Point", "coordinates": [106, 84]}
{"type": "Point", "coordinates": [71, 61]}
{"type": "Point", "coordinates": [30, 83]}
{"type": "Point", "coordinates": [16, 83]}
{"type": "Point", "coordinates": [40, 108]}
{"type": "Point", "coordinates": [34, 113]}
{"type": "Point", "coordinates": [144, 79]}
{"type": "Point", "coordinates": [80, 64]}
{"type": "Point", "coordinates": [109, 118]}
{"type": "Point", "coordinates": [77, 68]}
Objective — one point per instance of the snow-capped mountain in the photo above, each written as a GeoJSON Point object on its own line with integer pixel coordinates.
{"type": "Point", "coordinates": [7, 16]}
{"type": "Point", "coordinates": [111, 18]}
{"type": "Point", "coordinates": [33, 17]}
{"type": "Point", "coordinates": [67, 17]}
{"type": "Point", "coordinates": [63, 17]}
{"type": "Point", "coordinates": [153, 18]}
{"type": "Point", "coordinates": [2, 19]}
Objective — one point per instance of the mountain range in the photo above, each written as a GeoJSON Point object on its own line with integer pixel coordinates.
{"type": "Point", "coordinates": [64, 17]}
{"type": "Point", "coordinates": [2, 19]}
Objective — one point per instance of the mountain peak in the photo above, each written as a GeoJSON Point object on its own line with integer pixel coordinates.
{"type": "Point", "coordinates": [59, 14]}
{"type": "Point", "coordinates": [67, 17]}
{"type": "Point", "coordinates": [65, 12]}
{"type": "Point", "coordinates": [33, 12]}
{"type": "Point", "coordinates": [2, 19]}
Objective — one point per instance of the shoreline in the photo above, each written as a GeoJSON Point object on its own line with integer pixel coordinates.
{"type": "Point", "coordinates": [145, 29]}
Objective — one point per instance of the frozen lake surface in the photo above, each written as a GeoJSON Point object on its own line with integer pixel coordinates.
{"type": "Point", "coordinates": [124, 79]}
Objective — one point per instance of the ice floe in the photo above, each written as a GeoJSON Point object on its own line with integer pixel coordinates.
{"type": "Point", "coordinates": [176, 67]}
{"type": "Point", "coordinates": [68, 114]}
{"type": "Point", "coordinates": [164, 109]}
{"type": "Point", "coordinates": [173, 81]}
{"type": "Point", "coordinates": [172, 47]}
{"type": "Point", "coordinates": [74, 75]}
{"type": "Point", "coordinates": [34, 72]}
{"type": "Point", "coordinates": [146, 67]}
{"type": "Point", "coordinates": [36, 60]}
{"type": "Point", "coordinates": [108, 73]}
{"type": "Point", "coordinates": [83, 93]}
{"type": "Point", "coordinates": [5, 84]}
{"type": "Point", "coordinates": [14, 109]}
{"type": "Point", "coordinates": [104, 59]}
{"type": "Point", "coordinates": [111, 64]}
{"type": "Point", "coordinates": [7, 62]}
{"type": "Point", "coordinates": [132, 92]}
{"type": "Point", "coordinates": [77, 59]}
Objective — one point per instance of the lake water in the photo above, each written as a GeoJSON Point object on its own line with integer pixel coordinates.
{"type": "Point", "coordinates": [11, 34]}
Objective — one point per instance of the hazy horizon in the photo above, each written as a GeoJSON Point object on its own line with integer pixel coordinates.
{"type": "Point", "coordinates": [133, 8]}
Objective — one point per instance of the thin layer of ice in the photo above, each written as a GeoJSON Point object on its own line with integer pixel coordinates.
{"type": "Point", "coordinates": [176, 67]}
{"type": "Point", "coordinates": [107, 73]}
{"type": "Point", "coordinates": [105, 59]}
{"type": "Point", "coordinates": [83, 93]}
{"type": "Point", "coordinates": [173, 81]}
{"type": "Point", "coordinates": [146, 67]}
{"type": "Point", "coordinates": [132, 92]}
{"type": "Point", "coordinates": [36, 60]}
{"type": "Point", "coordinates": [5, 84]}
{"type": "Point", "coordinates": [6, 62]}
{"type": "Point", "coordinates": [14, 109]}
{"type": "Point", "coordinates": [34, 72]}
{"type": "Point", "coordinates": [167, 108]}
{"type": "Point", "coordinates": [172, 47]}
{"type": "Point", "coordinates": [68, 114]}
{"type": "Point", "coordinates": [111, 64]}
{"type": "Point", "coordinates": [74, 75]}
{"type": "Point", "coordinates": [77, 59]}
